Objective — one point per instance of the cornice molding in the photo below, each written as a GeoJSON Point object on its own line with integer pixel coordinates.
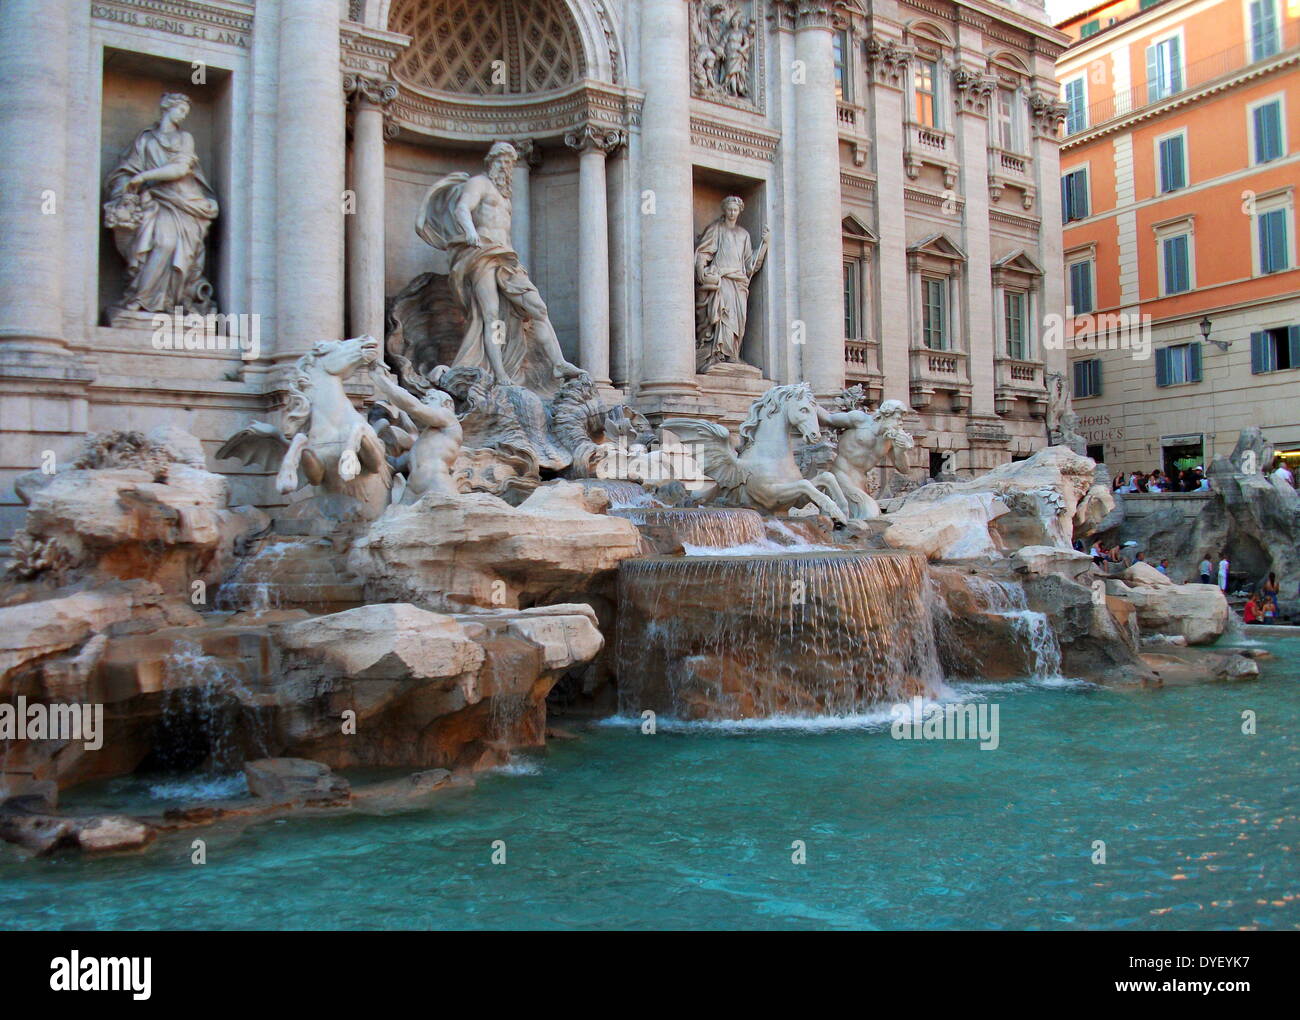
{"type": "Point", "coordinates": [221, 22]}
{"type": "Point", "coordinates": [738, 141]}
{"type": "Point", "coordinates": [549, 116]}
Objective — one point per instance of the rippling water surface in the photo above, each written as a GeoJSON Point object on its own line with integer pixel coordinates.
{"type": "Point", "coordinates": [693, 828]}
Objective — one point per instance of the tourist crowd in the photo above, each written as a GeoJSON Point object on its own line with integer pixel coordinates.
{"type": "Point", "coordinates": [1189, 480]}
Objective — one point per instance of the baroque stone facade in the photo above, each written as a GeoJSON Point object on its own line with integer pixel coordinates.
{"type": "Point", "coordinates": [902, 154]}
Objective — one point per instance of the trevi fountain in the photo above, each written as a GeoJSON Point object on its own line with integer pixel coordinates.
{"type": "Point", "coordinates": [501, 608]}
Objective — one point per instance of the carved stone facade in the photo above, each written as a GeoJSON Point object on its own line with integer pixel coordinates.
{"type": "Point", "coordinates": [898, 152]}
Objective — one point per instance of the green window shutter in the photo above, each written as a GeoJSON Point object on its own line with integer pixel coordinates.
{"type": "Point", "coordinates": [1293, 344]}
{"type": "Point", "coordinates": [1178, 169]}
{"type": "Point", "coordinates": [1273, 255]}
{"type": "Point", "coordinates": [1065, 197]}
{"type": "Point", "coordinates": [1175, 65]}
{"type": "Point", "coordinates": [1081, 193]}
{"type": "Point", "coordinates": [1153, 75]}
{"type": "Point", "coordinates": [1172, 164]}
{"type": "Point", "coordinates": [1194, 362]}
{"type": "Point", "coordinates": [1258, 353]}
{"type": "Point", "coordinates": [1268, 132]}
{"type": "Point", "coordinates": [1162, 366]}
{"type": "Point", "coordinates": [1096, 376]}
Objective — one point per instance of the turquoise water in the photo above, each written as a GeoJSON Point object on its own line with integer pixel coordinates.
{"type": "Point", "coordinates": [693, 827]}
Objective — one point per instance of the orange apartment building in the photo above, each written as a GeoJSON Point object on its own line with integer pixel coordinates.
{"type": "Point", "coordinates": [1179, 169]}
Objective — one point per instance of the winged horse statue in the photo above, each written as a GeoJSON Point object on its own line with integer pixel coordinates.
{"type": "Point", "coordinates": [763, 474]}
{"type": "Point", "coordinates": [325, 441]}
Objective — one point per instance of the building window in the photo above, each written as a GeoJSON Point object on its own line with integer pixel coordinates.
{"type": "Point", "coordinates": [1264, 40]}
{"type": "Point", "coordinates": [1164, 69]}
{"type": "Point", "coordinates": [1275, 350]}
{"type": "Point", "coordinates": [1015, 309]}
{"type": "Point", "coordinates": [1178, 364]}
{"type": "Point", "coordinates": [843, 69]}
{"type": "Point", "coordinates": [1081, 287]}
{"type": "Point", "coordinates": [1176, 264]}
{"type": "Point", "coordinates": [1076, 106]}
{"type": "Point", "coordinates": [1173, 163]}
{"type": "Point", "coordinates": [853, 300]}
{"type": "Point", "coordinates": [1007, 135]}
{"type": "Point", "coordinates": [1087, 378]}
{"type": "Point", "coordinates": [1266, 126]}
{"type": "Point", "coordinates": [934, 296]}
{"type": "Point", "coordinates": [927, 109]}
{"type": "Point", "coordinates": [1089, 28]}
{"type": "Point", "coordinates": [1274, 249]}
{"type": "Point", "coordinates": [1074, 195]}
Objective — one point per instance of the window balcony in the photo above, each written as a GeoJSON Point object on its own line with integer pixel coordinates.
{"type": "Point", "coordinates": [930, 145]}
{"type": "Point", "coordinates": [1018, 378]}
{"type": "Point", "coordinates": [1011, 165]}
{"type": "Point", "coordinates": [940, 372]}
{"type": "Point", "coordinates": [860, 360]}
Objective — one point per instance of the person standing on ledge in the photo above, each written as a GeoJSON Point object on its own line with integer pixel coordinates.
{"type": "Point", "coordinates": [1205, 568]}
{"type": "Point", "coordinates": [1223, 575]}
{"type": "Point", "coordinates": [469, 218]}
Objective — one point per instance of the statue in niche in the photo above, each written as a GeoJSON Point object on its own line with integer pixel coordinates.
{"type": "Point", "coordinates": [725, 262]}
{"type": "Point", "coordinates": [160, 208]}
{"type": "Point", "coordinates": [469, 218]}
{"type": "Point", "coordinates": [865, 441]}
{"type": "Point", "coordinates": [721, 40]}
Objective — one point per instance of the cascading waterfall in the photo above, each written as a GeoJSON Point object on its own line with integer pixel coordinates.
{"type": "Point", "coordinates": [1007, 599]}
{"type": "Point", "coordinates": [206, 710]}
{"type": "Point", "coordinates": [794, 633]}
{"type": "Point", "coordinates": [251, 585]}
{"type": "Point", "coordinates": [706, 527]}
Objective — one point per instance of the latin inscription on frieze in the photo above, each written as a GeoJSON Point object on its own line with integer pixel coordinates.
{"type": "Point", "coordinates": [190, 29]}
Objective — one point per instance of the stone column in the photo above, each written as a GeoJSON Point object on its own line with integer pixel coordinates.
{"type": "Point", "coordinates": [310, 153]}
{"type": "Point", "coordinates": [34, 199]}
{"type": "Point", "coordinates": [365, 227]}
{"type": "Point", "coordinates": [593, 143]}
{"type": "Point", "coordinates": [817, 199]}
{"type": "Point", "coordinates": [974, 95]}
{"type": "Point", "coordinates": [667, 230]}
{"type": "Point", "coordinates": [899, 294]}
{"type": "Point", "coordinates": [1048, 115]}
{"type": "Point", "coordinates": [521, 202]}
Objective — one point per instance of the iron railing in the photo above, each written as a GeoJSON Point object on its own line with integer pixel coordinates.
{"type": "Point", "coordinates": [1195, 75]}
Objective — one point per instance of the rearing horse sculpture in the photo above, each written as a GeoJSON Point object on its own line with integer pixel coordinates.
{"type": "Point", "coordinates": [764, 474]}
{"type": "Point", "coordinates": [325, 441]}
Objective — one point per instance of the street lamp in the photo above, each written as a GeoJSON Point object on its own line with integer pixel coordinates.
{"type": "Point", "coordinates": [1222, 345]}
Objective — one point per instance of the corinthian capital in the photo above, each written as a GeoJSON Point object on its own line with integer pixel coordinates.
{"type": "Point", "coordinates": [808, 13]}
{"type": "Point", "coordinates": [363, 92]}
{"type": "Point", "coordinates": [595, 137]}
